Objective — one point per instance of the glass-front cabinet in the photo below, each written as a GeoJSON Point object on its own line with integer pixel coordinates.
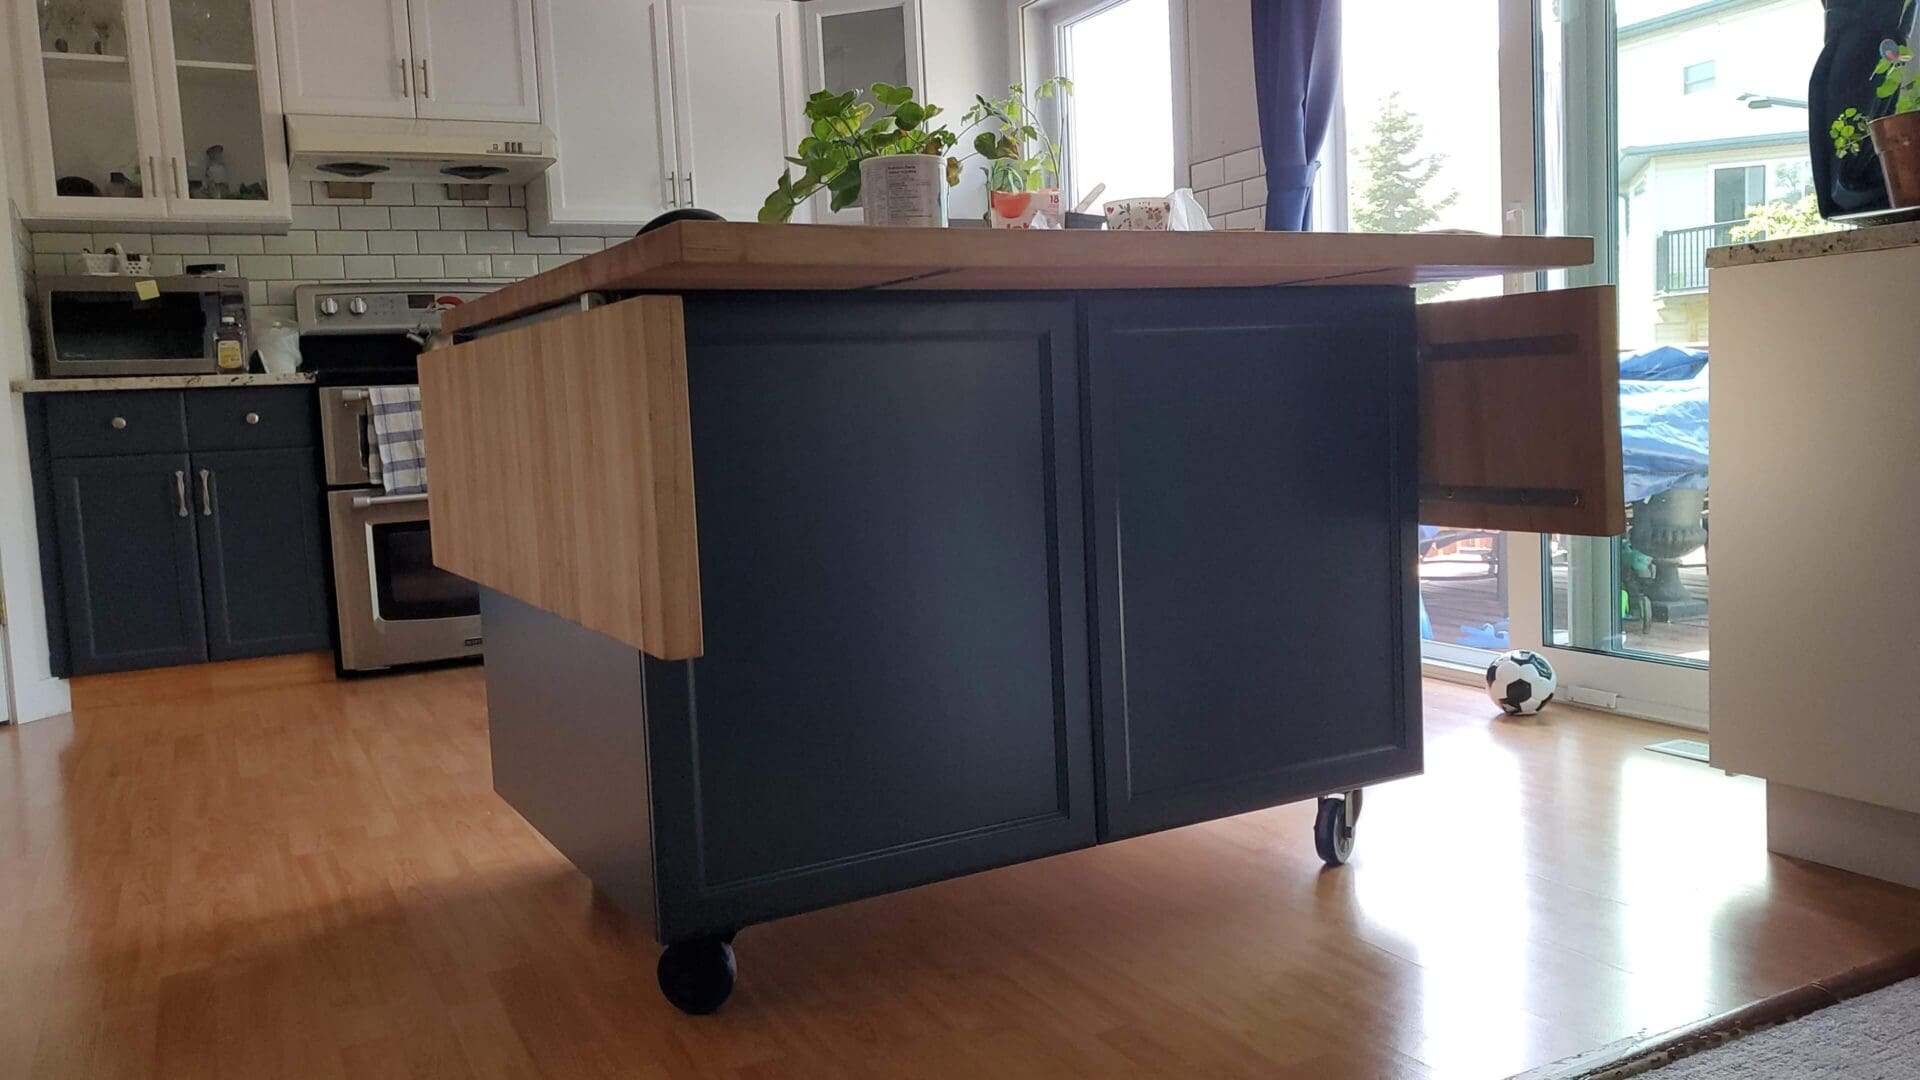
{"type": "Point", "coordinates": [852, 44]}
{"type": "Point", "coordinates": [152, 111]}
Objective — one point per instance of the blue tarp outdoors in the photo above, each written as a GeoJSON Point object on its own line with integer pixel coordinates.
{"type": "Point", "coordinates": [1663, 421]}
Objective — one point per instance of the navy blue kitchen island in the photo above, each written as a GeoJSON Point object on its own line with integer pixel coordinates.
{"type": "Point", "coordinates": [822, 562]}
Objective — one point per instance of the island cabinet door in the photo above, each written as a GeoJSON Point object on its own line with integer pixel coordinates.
{"type": "Point", "coordinates": [893, 688]}
{"type": "Point", "coordinates": [1520, 413]}
{"type": "Point", "coordinates": [1252, 513]}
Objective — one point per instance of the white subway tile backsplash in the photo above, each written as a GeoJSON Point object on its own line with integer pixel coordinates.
{"type": "Point", "coordinates": [62, 241]}
{"type": "Point", "coordinates": [369, 266]}
{"type": "Point", "coordinates": [300, 193]}
{"type": "Point", "coordinates": [1245, 219]}
{"type": "Point", "coordinates": [280, 292]}
{"type": "Point", "coordinates": [130, 242]}
{"type": "Point", "coordinates": [490, 243]}
{"type": "Point", "coordinates": [392, 195]}
{"type": "Point", "coordinates": [256, 293]}
{"type": "Point", "coordinates": [318, 266]}
{"type": "Point", "coordinates": [316, 217]}
{"type": "Point", "coordinates": [166, 244]}
{"type": "Point", "coordinates": [469, 266]}
{"type": "Point", "coordinates": [581, 245]}
{"type": "Point", "coordinates": [517, 196]}
{"type": "Point", "coordinates": [1254, 192]}
{"type": "Point", "coordinates": [341, 243]}
{"type": "Point", "coordinates": [49, 262]}
{"type": "Point", "coordinates": [228, 245]}
{"type": "Point", "coordinates": [516, 266]}
{"type": "Point", "coordinates": [463, 217]}
{"type": "Point", "coordinates": [220, 264]}
{"type": "Point", "coordinates": [1246, 163]}
{"type": "Point", "coordinates": [550, 262]}
{"type": "Point", "coordinates": [266, 267]}
{"type": "Point", "coordinates": [365, 217]}
{"type": "Point", "coordinates": [420, 266]}
{"type": "Point", "coordinates": [535, 245]}
{"type": "Point", "coordinates": [1209, 174]}
{"type": "Point", "coordinates": [442, 243]}
{"type": "Point", "coordinates": [1223, 200]}
{"type": "Point", "coordinates": [511, 218]}
{"type": "Point", "coordinates": [432, 195]}
{"type": "Point", "coordinates": [393, 242]}
{"type": "Point", "coordinates": [414, 217]}
{"type": "Point", "coordinates": [297, 242]}
{"type": "Point", "coordinates": [167, 265]}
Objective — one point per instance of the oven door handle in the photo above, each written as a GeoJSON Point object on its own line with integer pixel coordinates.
{"type": "Point", "coordinates": [362, 502]}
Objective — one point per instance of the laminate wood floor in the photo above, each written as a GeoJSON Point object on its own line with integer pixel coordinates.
{"type": "Point", "coordinates": [236, 881]}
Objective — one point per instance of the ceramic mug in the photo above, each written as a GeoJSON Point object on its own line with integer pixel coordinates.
{"type": "Point", "coordinates": [1140, 215]}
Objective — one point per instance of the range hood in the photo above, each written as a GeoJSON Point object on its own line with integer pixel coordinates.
{"type": "Point", "coordinates": [383, 149]}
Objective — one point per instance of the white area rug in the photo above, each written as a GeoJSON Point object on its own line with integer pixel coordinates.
{"type": "Point", "coordinates": [1874, 1037]}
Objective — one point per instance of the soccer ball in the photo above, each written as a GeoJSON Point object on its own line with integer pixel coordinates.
{"type": "Point", "coordinates": [1521, 682]}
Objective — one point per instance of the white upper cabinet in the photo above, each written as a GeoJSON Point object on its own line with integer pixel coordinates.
{"type": "Point", "coordinates": [852, 44]}
{"type": "Point", "coordinates": [151, 111]}
{"type": "Point", "coordinates": [610, 103]}
{"type": "Point", "coordinates": [475, 59]}
{"type": "Point", "coordinates": [345, 57]}
{"type": "Point", "coordinates": [436, 59]}
{"type": "Point", "coordinates": [737, 100]}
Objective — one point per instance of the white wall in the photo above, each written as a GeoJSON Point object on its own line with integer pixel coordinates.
{"type": "Point", "coordinates": [968, 51]}
{"type": "Point", "coordinates": [1767, 50]}
{"type": "Point", "coordinates": [1223, 115]}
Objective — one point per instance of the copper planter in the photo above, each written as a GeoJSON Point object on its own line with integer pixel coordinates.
{"type": "Point", "coordinates": [1897, 140]}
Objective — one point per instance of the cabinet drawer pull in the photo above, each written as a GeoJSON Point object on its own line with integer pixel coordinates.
{"type": "Point", "coordinates": [206, 493]}
{"type": "Point", "coordinates": [180, 492]}
{"type": "Point", "coordinates": [253, 418]}
{"type": "Point", "coordinates": [426, 87]}
{"type": "Point", "coordinates": [406, 77]}
{"type": "Point", "coordinates": [119, 423]}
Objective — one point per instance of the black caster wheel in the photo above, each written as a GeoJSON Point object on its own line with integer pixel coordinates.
{"type": "Point", "coordinates": [1333, 827]}
{"type": "Point", "coordinates": [697, 976]}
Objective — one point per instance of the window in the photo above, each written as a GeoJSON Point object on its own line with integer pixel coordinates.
{"type": "Point", "coordinates": [1737, 189]}
{"type": "Point", "coordinates": [1118, 122]}
{"type": "Point", "coordinates": [1698, 77]}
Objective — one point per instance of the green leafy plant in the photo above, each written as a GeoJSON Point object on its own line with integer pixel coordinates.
{"type": "Point", "coordinates": [845, 131]}
{"type": "Point", "coordinates": [1019, 154]}
{"type": "Point", "coordinates": [1898, 91]}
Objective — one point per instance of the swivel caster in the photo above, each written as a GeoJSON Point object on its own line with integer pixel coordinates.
{"type": "Point", "coordinates": [697, 976]}
{"type": "Point", "coordinates": [1333, 827]}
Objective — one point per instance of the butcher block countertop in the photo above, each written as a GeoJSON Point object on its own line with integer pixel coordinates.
{"type": "Point", "coordinates": [712, 255]}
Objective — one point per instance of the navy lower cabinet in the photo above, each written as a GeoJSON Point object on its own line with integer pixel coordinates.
{"type": "Point", "coordinates": [129, 567]}
{"type": "Point", "coordinates": [261, 559]}
{"type": "Point", "coordinates": [1253, 494]}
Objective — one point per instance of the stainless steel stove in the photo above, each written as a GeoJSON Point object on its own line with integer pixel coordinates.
{"type": "Point", "coordinates": [394, 606]}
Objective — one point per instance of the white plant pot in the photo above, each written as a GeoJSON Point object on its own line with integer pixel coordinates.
{"type": "Point", "coordinates": [904, 190]}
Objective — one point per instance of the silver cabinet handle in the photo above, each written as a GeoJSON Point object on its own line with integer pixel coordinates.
{"type": "Point", "coordinates": [206, 493]}
{"type": "Point", "coordinates": [180, 491]}
{"type": "Point", "coordinates": [119, 423]}
{"type": "Point", "coordinates": [179, 178]}
{"type": "Point", "coordinates": [673, 189]}
{"type": "Point", "coordinates": [426, 87]}
{"type": "Point", "coordinates": [150, 183]}
{"type": "Point", "coordinates": [690, 189]}
{"type": "Point", "coordinates": [253, 418]}
{"type": "Point", "coordinates": [363, 502]}
{"type": "Point", "coordinates": [406, 77]}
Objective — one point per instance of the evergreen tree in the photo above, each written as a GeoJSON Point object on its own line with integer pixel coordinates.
{"type": "Point", "coordinates": [1393, 194]}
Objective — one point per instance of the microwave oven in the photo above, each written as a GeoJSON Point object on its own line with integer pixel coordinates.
{"type": "Point", "coordinates": [111, 325]}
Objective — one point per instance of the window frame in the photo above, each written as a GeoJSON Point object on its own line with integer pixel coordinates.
{"type": "Point", "coordinates": [1689, 85]}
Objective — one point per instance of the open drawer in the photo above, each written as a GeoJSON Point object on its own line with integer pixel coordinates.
{"type": "Point", "coordinates": [1520, 413]}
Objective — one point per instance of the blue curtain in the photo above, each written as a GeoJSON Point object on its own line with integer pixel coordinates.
{"type": "Point", "coordinates": [1296, 69]}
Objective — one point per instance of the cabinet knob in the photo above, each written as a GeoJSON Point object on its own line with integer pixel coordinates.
{"type": "Point", "coordinates": [253, 418]}
{"type": "Point", "coordinates": [119, 423]}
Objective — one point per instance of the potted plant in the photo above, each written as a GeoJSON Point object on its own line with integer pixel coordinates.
{"type": "Point", "coordinates": [1020, 156]}
{"type": "Point", "coordinates": [1896, 135]}
{"type": "Point", "coordinates": [851, 144]}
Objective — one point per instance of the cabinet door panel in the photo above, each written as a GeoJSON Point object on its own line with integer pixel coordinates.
{"type": "Point", "coordinates": [736, 75]}
{"type": "Point", "coordinates": [1520, 413]}
{"type": "Point", "coordinates": [219, 87]}
{"type": "Point", "coordinates": [127, 563]}
{"type": "Point", "coordinates": [258, 513]}
{"type": "Point", "coordinates": [1252, 511]}
{"type": "Point", "coordinates": [893, 688]}
{"type": "Point", "coordinates": [474, 60]}
{"type": "Point", "coordinates": [345, 57]}
{"type": "Point", "coordinates": [611, 105]}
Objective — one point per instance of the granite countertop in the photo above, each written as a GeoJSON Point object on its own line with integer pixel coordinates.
{"type": "Point", "coordinates": [156, 382]}
{"type": "Point", "coordinates": [1869, 238]}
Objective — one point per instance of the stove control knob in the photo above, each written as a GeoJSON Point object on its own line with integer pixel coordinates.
{"type": "Point", "coordinates": [329, 306]}
{"type": "Point", "coordinates": [357, 305]}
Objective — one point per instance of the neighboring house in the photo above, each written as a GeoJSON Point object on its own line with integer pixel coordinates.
{"type": "Point", "coordinates": [1712, 122]}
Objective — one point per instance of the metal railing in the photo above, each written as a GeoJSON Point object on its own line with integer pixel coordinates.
{"type": "Point", "coordinates": [1680, 256]}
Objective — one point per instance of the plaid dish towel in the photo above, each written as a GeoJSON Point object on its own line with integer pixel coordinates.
{"type": "Point", "coordinates": [396, 431]}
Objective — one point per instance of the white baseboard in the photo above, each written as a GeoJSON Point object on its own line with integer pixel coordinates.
{"type": "Point", "coordinates": [1877, 841]}
{"type": "Point", "coordinates": [38, 699]}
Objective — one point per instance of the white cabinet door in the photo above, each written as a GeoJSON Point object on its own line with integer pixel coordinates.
{"type": "Point", "coordinates": [473, 59]}
{"type": "Point", "coordinates": [219, 94]}
{"type": "Point", "coordinates": [92, 132]}
{"type": "Point", "coordinates": [852, 44]}
{"type": "Point", "coordinates": [610, 104]}
{"type": "Point", "coordinates": [737, 96]}
{"type": "Point", "coordinates": [345, 57]}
